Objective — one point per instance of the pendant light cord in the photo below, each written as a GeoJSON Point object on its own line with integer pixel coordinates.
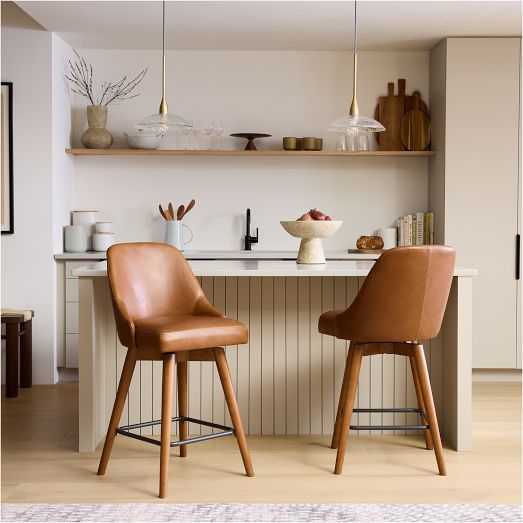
{"type": "Point", "coordinates": [354, 111]}
{"type": "Point", "coordinates": [163, 27]}
{"type": "Point", "coordinates": [163, 104]}
{"type": "Point", "coordinates": [355, 28]}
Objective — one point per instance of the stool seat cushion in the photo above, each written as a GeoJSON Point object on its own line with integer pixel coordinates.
{"type": "Point", "coordinates": [181, 333]}
{"type": "Point", "coordinates": [27, 314]}
{"type": "Point", "coordinates": [327, 324]}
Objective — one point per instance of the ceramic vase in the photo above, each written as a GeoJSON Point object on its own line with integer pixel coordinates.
{"type": "Point", "coordinates": [97, 136]}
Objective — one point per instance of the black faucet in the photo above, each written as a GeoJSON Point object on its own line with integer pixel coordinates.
{"type": "Point", "coordinates": [249, 240]}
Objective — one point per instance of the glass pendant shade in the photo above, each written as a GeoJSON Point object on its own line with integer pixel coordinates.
{"type": "Point", "coordinates": [162, 122]}
{"type": "Point", "coordinates": [353, 123]}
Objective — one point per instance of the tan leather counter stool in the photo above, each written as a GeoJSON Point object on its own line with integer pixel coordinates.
{"type": "Point", "coordinates": [401, 302]}
{"type": "Point", "coordinates": [162, 314]}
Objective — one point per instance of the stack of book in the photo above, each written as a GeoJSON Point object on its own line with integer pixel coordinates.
{"type": "Point", "coordinates": [416, 229]}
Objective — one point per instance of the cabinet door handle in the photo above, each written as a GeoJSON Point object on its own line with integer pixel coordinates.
{"type": "Point", "coordinates": [518, 256]}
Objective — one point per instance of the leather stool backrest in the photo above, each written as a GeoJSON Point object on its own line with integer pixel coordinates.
{"type": "Point", "coordinates": [403, 297]}
{"type": "Point", "coordinates": [147, 280]}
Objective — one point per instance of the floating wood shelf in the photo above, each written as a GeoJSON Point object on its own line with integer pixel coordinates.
{"type": "Point", "coordinates": [174, 152]}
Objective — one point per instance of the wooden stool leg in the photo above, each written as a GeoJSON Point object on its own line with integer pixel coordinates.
{"type": "Point", "coordinates": [167, 407]}
{"type": "Point", "coordinates": [426, 391]}
{"type": "Point", "coordinates": [230, 398]}
{"type": "Point", "coordinates": [26, 355]}
{"type": "Point", "coordinates": [343, 396]}
{"type": "Point", "coordinates": [421, 403]}
{"type": "Point", "coordinates": [119, 402]}
{"type": "Point", "coordinates": [181, 370]}
{"type": "Point", "coordinates": [354, 374]}
{"type": "Point", "coordinates": [11, 360]}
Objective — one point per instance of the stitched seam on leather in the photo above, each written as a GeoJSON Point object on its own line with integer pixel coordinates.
{"type": "Point", "coordinates": [196, 303]}
{"type": "Point", "coordinates": [424, 293]}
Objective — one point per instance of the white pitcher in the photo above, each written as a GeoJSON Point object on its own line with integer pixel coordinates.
{"type": "Point", "coordinates": [174, 234]}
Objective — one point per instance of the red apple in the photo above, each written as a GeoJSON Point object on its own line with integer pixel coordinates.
{"type": "Point", "coordinates": [328, 219]}
{"type": "Point", "coordinates": [304, 218]}
{"type": "Point", "coordinates": [317, 215]}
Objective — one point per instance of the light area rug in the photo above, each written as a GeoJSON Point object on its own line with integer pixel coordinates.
{"type": "Point", "coordinates": [196, 512]}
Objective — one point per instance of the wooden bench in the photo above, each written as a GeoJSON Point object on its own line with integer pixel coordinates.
{"type": "Point", "coordinates": [18, 326]}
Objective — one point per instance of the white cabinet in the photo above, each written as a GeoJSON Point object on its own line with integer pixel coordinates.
{"type": "Point", "coordinates": [475, 107]}
{"type": "Point", "coordinates": [71, 312]}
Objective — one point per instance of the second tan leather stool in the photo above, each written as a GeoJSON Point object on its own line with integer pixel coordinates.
{"type": "Point", "coordinates": [401, 302]}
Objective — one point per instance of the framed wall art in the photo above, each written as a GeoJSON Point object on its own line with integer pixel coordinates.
{"type": "Point", "coordinates": [6, 200]}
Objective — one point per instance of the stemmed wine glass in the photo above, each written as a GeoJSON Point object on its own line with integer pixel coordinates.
{"type": "Point", "coordinates": [186, 132]}
{"type": "Point", "coordinates": [207, 128]}
{"type": "Point", "coordinates": [195, 132]}
{"type": "Point", "coordinates": [218, 130]}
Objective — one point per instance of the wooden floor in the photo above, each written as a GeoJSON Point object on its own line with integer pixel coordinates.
{"type": "Point", "coordinates": [40, 463]}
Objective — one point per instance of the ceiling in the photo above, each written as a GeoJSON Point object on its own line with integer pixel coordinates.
{"type": "Point", "coordinates": [273, 25]}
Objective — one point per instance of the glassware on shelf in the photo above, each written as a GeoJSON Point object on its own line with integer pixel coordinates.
{"type": "Point", "coordinates": [186, 131]}
{"type": "Point", "coordinates": [207, 128]}
{"type": "Point", "coordinates": [195, 131]}
{"type": "Point", "coordinates": [362, 141]}
{"type": "Point", "coordinates": [218, 130]}
{"type": "Point", "coordinates": [341, 144]}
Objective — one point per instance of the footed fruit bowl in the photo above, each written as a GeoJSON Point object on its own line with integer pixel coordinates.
{"type": "Point", "coordinates": [311, 232]}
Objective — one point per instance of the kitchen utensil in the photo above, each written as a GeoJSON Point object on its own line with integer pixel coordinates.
{"type": "Point", "coordinates": [174, 234]}
{"type": "Point", "coordinates": [163, 213]}
{"type": "Point", "coordinates": [389, 112]}
{"type": "Point", "coordinates": [104, 226]}
{"type": "Point", "coordinates": [180, 212]}
{"type": "Point", "coordinates": [102, 241]}
{"type": "Point", "coordinates": [311, 232]}
{"type": "Point", "coordinates": [75, 238]}
{"type": "Point", "coordinates": [171, 211]}
{"type": "Point", "coordinates": [365, 251]}
{"type": "Point", "coordinates": [143, 140]}
{"type": "Point", "coordinates": [250, 137]}
{"type": "Point", "coordinates": [189, 207]}
{"type": "Point", "coordinates": [218, 131]}
{"type": "Point", "coordinates": [415, 128]}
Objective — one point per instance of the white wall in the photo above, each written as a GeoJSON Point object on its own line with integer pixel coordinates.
{"type": "Point", "coordinates": [278, 92]}
{"type": "Point", "coordinates": [62, 177]}
{"type": "Point", "coordinates": [27, 255]}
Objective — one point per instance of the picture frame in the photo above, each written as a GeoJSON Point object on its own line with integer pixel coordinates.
{"type": "Point", "coordinates": [7, 188]}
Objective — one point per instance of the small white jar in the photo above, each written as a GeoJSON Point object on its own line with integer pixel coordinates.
{"type": "Point", "coordinates": [102, 241]}
{"type": "Point", "coordinates": [104, 227]}
{"type": "Point", "coordinates": [87, 219]}
{"type": "Point", "coordinates": [75, 238]}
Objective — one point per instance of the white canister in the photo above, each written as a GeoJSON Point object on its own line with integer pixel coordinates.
{"type": "Point", "coordinates": [102, 241]}
{"type": "Point", "coordinates": [75, 238]}
{"type": "Point", "coordinates": [88, 220]}
{"type": "Point", "coordinates": [174, 234]}
{"type": "Point", "coordinates": [389, 236]}
{"type": "Point", "coordinates": [104, 227]}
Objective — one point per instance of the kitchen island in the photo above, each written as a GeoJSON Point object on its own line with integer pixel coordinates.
{"type": "Point", "coordinates": [288, 376]}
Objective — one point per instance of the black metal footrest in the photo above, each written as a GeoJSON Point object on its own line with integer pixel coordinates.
{"type": "Point", "coordinates": [392, 427]}
{"type": "Point", "coordinates": [125, 431]}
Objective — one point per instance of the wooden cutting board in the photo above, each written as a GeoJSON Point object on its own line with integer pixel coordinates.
{"type": "Point", "coordinates": [389, 112]}
{"type": "Point", "coordinates": [405, 103]}
{"type": "Point", "coordinates": [415, 127]}
{"type": "Point", "coordinates": [366, 251]}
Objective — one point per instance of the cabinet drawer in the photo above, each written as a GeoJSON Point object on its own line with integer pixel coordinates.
{"type": "Point", "coordinates": [72, 265]}
{"type": "Point", "coordinates": [71, 290]}
{"type": "Point", "coordinates": [71, 318]}
{"type": "Point", "coordinates": [71, 350]}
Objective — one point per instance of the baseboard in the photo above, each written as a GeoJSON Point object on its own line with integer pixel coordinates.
{"type": "Point", "coordinates": [65, 374]}
{"type": "Point", "coordinates": [500, 375]}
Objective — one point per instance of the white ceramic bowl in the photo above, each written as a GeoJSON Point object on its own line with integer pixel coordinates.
{"type": "Point", "coordinates": [143, 140]}
{"type": "Point", "coordinates": [311, 232]}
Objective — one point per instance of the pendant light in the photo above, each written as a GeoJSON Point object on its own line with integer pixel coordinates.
{"type": "Point", "coordinates": [354, 123]}
{"type": "Point", "coordinates": [162, 122]}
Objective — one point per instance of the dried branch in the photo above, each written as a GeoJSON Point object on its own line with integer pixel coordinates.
{"type": "Point", "coordinates": [81, 77]}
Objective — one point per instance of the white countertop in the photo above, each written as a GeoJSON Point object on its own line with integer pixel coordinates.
{"type": "Point", "coordinates": [266, 268]}
{"type": "Point", "coordinates": [229, 255]}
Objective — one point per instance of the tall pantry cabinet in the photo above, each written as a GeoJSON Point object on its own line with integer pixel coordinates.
{"type": "Point", "coordinates": [475, 181]}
